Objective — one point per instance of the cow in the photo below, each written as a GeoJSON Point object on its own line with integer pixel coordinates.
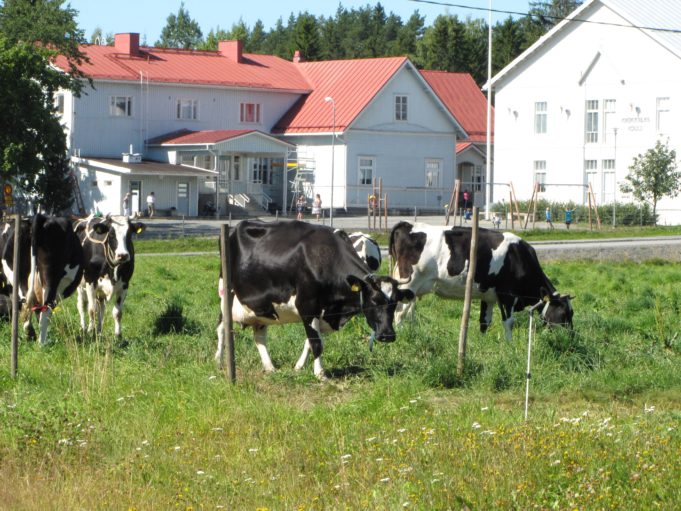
{"type": "Point", "coordinates": [436, 258]}
{"type": "Point", "coordinates": [284, 272]}
{"type": "Point", "coordinates": [367, 249]}
{"type": "Point", "coordinates": [7, 263]}
{"type": "Point", "coordinates": [109, 263]}
{"type": "Point", "coordinates": [50, 266]}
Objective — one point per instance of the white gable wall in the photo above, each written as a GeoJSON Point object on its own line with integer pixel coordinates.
{"type": "Point", "coordinates": [612, 63]}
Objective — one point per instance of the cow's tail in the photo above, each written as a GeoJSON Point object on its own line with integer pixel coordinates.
{"type": "Point", "coordinates": [34, 285]}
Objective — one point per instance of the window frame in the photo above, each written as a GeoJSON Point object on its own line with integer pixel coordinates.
{"type": "Point", "coordinates": [361, 177]}
{"type": "Point", "coordinates": [115, 111]}
{"type": "Point", "coordinates": [437, 173]}
{"type": "Point", "coordinates": [401, 108]}
{"type": "Point", "coordinates": [591, 121]}
{"type": "Point", "coordinates": [541, 116]}
{"type": "Point", "coordinates": [182, 104]}
{"type": "Point", "coordinates": [666, 108]}
{"type": "Point", "coordinates": [540, 174]}
{"type": "Point", "coordinates": [254, 117]}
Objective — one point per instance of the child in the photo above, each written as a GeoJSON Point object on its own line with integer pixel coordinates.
{"type": "Point", "coordinates": [548, 217]}
{"type": "Point", "coordinates": [496, 221]}
{"type": "Point", "coordinates": [317, 206]}
{"type": "Point", "coordinates": [300, 206]}
{"type": "Point", "coordinates": [568, 217]}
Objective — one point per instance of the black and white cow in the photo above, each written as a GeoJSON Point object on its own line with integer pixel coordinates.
{"type": "Point", "coordinates": [367, 249]}
{"type": "Point", "coordinates": [109, 261]}
{"type": "Point", "coordinates": [284, 272]}
{"type": "Point", "coordinates": [7, 258]}
{"type": "Point", "coordinates": [50, 266]}
{"type": "Point", "coordinates": [435, 258]}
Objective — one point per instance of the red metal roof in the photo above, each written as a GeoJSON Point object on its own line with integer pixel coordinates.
{"type": "Point", "coordinates": [191, 67]}
{"type": "Point", "coordinates": [464, 99]}
{"type": "Point", "coordinates": [184, 136]}
{"type": "Point", "coordinates": [351, 83]}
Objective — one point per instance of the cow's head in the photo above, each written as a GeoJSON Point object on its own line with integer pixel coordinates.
{"type": "Point", "coordinates": [557, 310]}
{"type": "Point", "coordinates": [380, 296]}
{"type": "Point", "coordinates": [118, 231]}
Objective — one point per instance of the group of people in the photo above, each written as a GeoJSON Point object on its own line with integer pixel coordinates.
{"type": "Point", "coordinates": [151, 204]}
{"type": "Point", "coordinates": [301, 206]}
{"type": "Point", "coordinates": [568, 217]}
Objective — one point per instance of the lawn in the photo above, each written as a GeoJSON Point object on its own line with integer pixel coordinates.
{"type": "Point", "coordinates": [152, 424]}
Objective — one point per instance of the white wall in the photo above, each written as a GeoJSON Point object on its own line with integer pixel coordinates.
{"type": "Point", "coordinates": [627, 66]}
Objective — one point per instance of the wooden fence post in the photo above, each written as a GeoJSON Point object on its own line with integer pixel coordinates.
{"type": "Point", "coordinates": [16, 311]}
{"type": "Point", "coordinates": [472, 263]}
{"type": "Point", "coordinates": [227, 301]}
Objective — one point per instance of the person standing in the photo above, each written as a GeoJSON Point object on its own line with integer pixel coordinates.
{"type": "Point", "coordinates": [151, 204]}
{"type": "Point", "coordinates": [548, 217]}
{"type": "Point", "coordinates": [126, 204]}
{"type": "Point", "coordinates": [300, 206]}
{"type": "Point", "coordinates": [568, 217]}
{"type": "Point", "coordinates": [466, 198]}
{"type": "Point", "coordinates": [317, 206]}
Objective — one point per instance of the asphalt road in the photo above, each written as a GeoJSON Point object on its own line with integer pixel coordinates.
{"type": "Point", "coordinates": [636, 249]}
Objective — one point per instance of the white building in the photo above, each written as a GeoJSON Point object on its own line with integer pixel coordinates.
{"type": "Point", "coordinates": [596, 91]}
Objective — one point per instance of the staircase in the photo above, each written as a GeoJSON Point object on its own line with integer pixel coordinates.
{"type": "Point", "coordinates": [76, 193]}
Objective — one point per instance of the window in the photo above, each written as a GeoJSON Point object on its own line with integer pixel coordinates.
{"type": "Point", "coordinates": [366, 170]}
{"type": "Point", "coordinates": [187, 159]}
{"type": "Point", "coordinates": [205, 161]}
{"type": "Point", "coordinates": [59, 103]}
{"type": "Point", "coordinates": [591, 174]}
{"type": "Point", "coordinates": [236, 169]}
{"type": "Point", "coordinates": [663, 118]}
{"type": "Point", "coordinates": [609, 183]}
{"type": "Point", "coordinates": [400, 108]}
{"type": "Point", "coordinates": [540, 174]}
{"type": "Point", "coordinates": [478, 178]}
{"type": "Point", "coordinates": [120, 106]}
{"type": "Point", "coordinates": [250, 112]}
{"type": "Point", "coordinates": [182, 190]}
{"type": "Point", "coordinates": [609, 120]}
{"type": "Point", "coordinates": [187, 109]}
{"type": "Point", "coordinates": [433, 173]}
{"type": "Point", "coordinates": [591, 128]}
{"type": "Point", "coordinates": [540, 115]}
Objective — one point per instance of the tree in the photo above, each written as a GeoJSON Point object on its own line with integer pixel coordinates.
{"type": "Point", "coordinates": [548, 13]}
{"type": "Point", "coordinates": [305, 37]}
{"type": "Point", "coordinates": [181, 31]}
{"type": "Point", "coordinates": [653, 175]}
{"type": "Point", "coordinates": [33, 153]}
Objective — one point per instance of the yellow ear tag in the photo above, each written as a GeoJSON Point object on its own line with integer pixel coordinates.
{"type": "Point", "coordinates": [55, 310]}
{"type": "Point", "coordinates": [139, 230]}
{"type": "Point", "coordinates": [546, 298]}
{"type": "Point", "coordinates": [355, 288]}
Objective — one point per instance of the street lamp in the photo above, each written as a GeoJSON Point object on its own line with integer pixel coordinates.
{"type": "Point", "coordinates": [333, 153]}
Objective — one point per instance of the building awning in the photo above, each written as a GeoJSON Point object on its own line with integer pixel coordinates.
{"type": "Point", "coordinates": [223, 141]}
{"type": "Point", "coordinates": [143, 168]}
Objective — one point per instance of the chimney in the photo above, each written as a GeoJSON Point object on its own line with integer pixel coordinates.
{"type": "Point", "coordinates": [127, 43]}
{"type": "Point", "coordinates": [231, 49]}
{"type": "Point", "coordinates": [298, 57]}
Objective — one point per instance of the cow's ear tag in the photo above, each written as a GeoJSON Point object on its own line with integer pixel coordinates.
{"type": "Point", "coordinates": [355, 288]}
{"type": "Point", "coordinates": [546, 298]}
{"type": "Point", "coordinates": [139, 230]}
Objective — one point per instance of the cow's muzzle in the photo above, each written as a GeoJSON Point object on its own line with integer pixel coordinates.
{"type": "Point", "coordinates": [386, 337]}
{"type": "Point", "coordinates": [122, 258]}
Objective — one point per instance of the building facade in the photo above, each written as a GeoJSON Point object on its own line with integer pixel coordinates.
{"type": "Point", "coordinates": [575, 109]}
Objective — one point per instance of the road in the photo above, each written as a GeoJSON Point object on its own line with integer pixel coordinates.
{"type": "Point", "coordinates": [637, 249]}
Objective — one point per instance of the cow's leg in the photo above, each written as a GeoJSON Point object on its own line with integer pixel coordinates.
{"type": "Point", "coordinates": [219, 354]}
{"type": "Point", "coordinates": [101, 309]}
{"type": "Point", "coordinates": [506, 305]}
{"type": "Point", "coordinates": [82, 306]}
{"type": "Point", "coordinates": [44, 322]}
{"type": "Point", "coordinates": [260, 337]}
{"type": "Point", "coordinates": [93, 303]}
{"type": "Point", "coordinates": [486, 312]}
{"type": "Point", "coordinates": [314, 339]}
{"type": "Point", "coordinates": [117, 310]}
{"type": "Point", "coordinates": [303, 356]}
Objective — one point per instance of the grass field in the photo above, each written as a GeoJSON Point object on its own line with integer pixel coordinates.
{"type": "Point", "coordinates": [152, 424]}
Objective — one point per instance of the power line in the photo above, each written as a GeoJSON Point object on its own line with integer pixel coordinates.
{"type": "Point", "coordinates": [546, 16]}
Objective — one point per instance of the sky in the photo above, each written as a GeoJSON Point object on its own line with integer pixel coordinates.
{"type": "Point", "coordinates": [148, 17]}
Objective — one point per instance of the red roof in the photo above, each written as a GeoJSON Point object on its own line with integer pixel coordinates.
{"type": "Point", "coordinates": [184, 136]}
{"type": "Point", "coordinates": [191, 67]}
{"type": "Point", "coordinates": [464, 99]}
{"type": "Point", "coordinates": [351, 83]}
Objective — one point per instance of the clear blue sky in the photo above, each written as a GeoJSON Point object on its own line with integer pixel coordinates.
{"type": "Point", "coordinates": [148, 17]}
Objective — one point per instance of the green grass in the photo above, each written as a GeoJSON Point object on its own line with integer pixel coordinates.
{"type": "Point", "coordinates": [152, 424]}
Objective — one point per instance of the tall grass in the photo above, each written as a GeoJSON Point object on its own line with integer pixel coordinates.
{"type": "Point", "coordinates": [150, 423]}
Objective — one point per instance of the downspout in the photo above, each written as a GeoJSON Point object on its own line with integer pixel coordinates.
{"type": "Point", "coordinates": [217, 183]}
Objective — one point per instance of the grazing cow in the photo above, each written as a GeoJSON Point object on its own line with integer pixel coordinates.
{"type": "Point", "coordinates": [367, 249]}
{"type": "Point", "coordinates": [7, 258]}
{"type": "Point", "coordinates": [283, 272]}
{"type": "Point", "coordinates": [434, 258]}
{"type": "Point", "coordinates": [50, 266]}
{"type": "Point", "coordinates": [109, 260]}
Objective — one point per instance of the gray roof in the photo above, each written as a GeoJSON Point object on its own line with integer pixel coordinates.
{"type": "Point", "coordinates": [647, 14]}
{"type": "Point", "coordinates": [145, 167]}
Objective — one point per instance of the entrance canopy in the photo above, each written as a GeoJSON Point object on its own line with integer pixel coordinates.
{"type": "Point", "coordinates": [223, 141]}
